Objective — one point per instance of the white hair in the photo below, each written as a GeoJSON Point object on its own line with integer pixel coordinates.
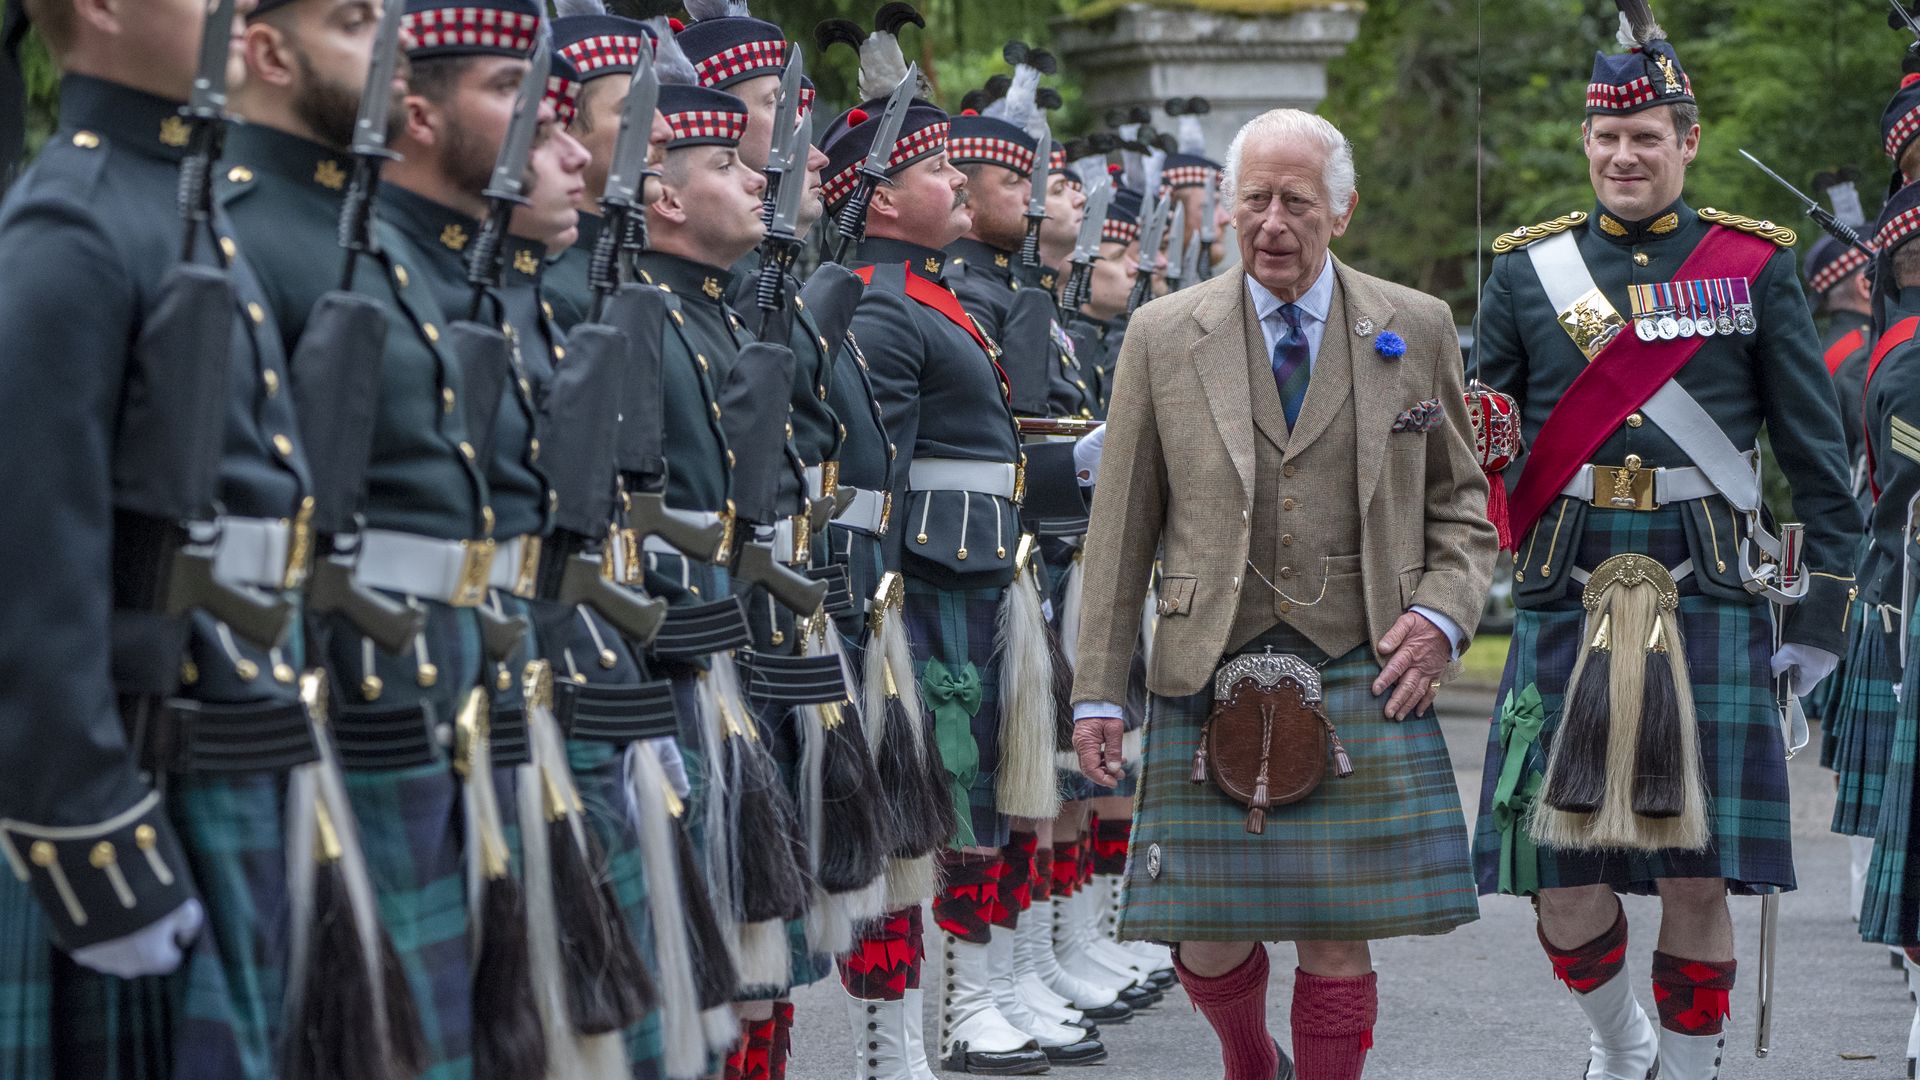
{"type": "Point", "coordinates": [1292, 124]}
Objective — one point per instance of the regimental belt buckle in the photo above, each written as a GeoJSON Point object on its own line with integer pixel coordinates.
{"type": "Point", "coordinates": [1592, 322]}
{"type": "Point", "coordinates": [299, 546]}
{"type": "Point", "coordinates": [886, 511]}
{"type": "Point", "coordinates": [632, 563]}
{"type": "Point", "coordinates": [1020, 481]}
{"type": "Point", "coordinates": [724, 549]}
{"type": "Point", "coordinates": [1627, 487]}
{"type": "Point", "coordinates": [529, 569]}
{"type": "Point", "coordinates": [476, 570]}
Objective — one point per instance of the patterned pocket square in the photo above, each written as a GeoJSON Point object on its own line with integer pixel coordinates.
{"type": "Point", "coordinates": [1422, 418]}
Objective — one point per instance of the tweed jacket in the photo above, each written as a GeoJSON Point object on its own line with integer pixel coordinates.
{"type": "Point", "coordinates": [1178, 477]}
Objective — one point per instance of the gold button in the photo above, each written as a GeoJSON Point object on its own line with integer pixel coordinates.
{"type": "Point", "coordinates": [272, 381]}
{"type": "Point", "coordinates": [283, 673]}
{"type": "Point", "coordinates": [145, 838]}
{"type": "Point", "coordinates": [101, 856]}
{"type": "Point", "coordinates": [227, 248]}
{"type": "Point", "coordinates": [85, 140]}
{"type": "Point", "coordinates": [432, 332]}
{"type": "Point", "coordinates": [42, 852]}
{"type": "Point", "coordinates": [371, 686]}
{"type": "Point", "coordinates": [239, 174]}
{"type": "Point", "coordinates": [701, 360]}
{"type": "Point", "coordinates": [255, 312]}
{"type": "Point", "coordinates": [559, 353]}
{"type": "Point", "coordinates": [579, 677]}
{"type": "Point", "coordinates": [486, 520]}
{"type": "Point", "coordinates": [466, 450]}
{"type": "Point", "coordinates": [504, 680]}
{"type": "Point", "coordinates": [1286, 470]}
{"type": "Point", "coordinates": [446, 399]}
{"type": "Point", "coordinates": [546, 309]}
{"type": "Point", "coordinates": [1635, 419]}
{"type": "Point", "coordinates": [1640, 258]}
{"type": "Point", "coordinates": [400, 275]}
{"type": "Point", "coordinates": [1286, 540]}
{"type": "Point", "coordinates": [729, 457]}
{"type": "Point", "coordinates": [533, 450]}
{"type": "Point", "coordinates": [427, 675]}
{"type": "Point", "coordinates": [526, 387]}
{"type": "Point", "coordinates": [189, 672]}
{"type": "Point", "coordinates": [1287, 504]}
{"type": "Point", "coordinates": [283, 445]}
{"type": "Point", "coordinates": [608, 659]}
{"type": "Point", "coordinates": [246, 669]}
{"type": "Point", "coordinates": [716, 410]}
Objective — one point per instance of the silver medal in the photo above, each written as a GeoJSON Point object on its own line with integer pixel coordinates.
{"type": "Point", "coordinates": [1704, 326]}
{"type": "Point", "coordinates": [1669, 328]}
{"type": "Point", "coordinates": [1644, 329]}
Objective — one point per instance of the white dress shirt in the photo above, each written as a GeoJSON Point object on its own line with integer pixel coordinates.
{"type": "Point", "coordinates": [1313, 308]}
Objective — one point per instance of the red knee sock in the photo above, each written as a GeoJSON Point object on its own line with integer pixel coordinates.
{"type": "Point", "coordinates": [1236, 1005]}
{"type": "Point", "coordinates": [1692, 995]}
{"type": "Point", "coordinates": [1110, 845]}
{"type": "Point", "coordinates": [782, 1040]}
{"type": "Point", "coordinates": [1333, 1024]}
{"type": "Point", "coordinates": [1593, 964]}
{"type": "Point", "coordinates": [756, 1049]}
{"type": "Point", "coordinates": [917, 945]}
{"type": "Point", "coordinates": [1041, 888]}
{"type": "Point", "coordinates": [969, 905]}
{"type": "Point", "coordinates": [1016, 879]}
{"type": "Point", "coordinates": [1065, 870]}
{"type": "Point", "coordinates": [880, 965]}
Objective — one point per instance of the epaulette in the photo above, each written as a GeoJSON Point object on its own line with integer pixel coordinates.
{"type": "Point", "coordinates": [1527, 234]}
{"type": "Point", "coordinates": [1767, 230]}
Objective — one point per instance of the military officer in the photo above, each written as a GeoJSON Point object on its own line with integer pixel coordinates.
{"type": "Point", "coordinates": [140, 838]}
{"type": "Point", "coordinates": [288, 174]}
{"type": "Point", "coordinates": [1583, 503]}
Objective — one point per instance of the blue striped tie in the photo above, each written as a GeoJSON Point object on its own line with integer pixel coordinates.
{"type": "Point", "coordinates": [1291, 368]}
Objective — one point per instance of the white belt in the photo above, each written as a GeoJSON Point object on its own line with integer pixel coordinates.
{"type": "Point", "coordinates": [1050, 439]}
{"type": "Point", "coordinates": [1669, 485]}
{"type": "Point", "coordinates": [780, 537]}
{"type": "Point", "coordinates": [955, 474]}
{"type": "Point", "coordinates": [867, 512]}
{"type": "Point", "coordinates": [455, 572]}
{"type": "Point", "coordinates": [515, 563]}
{"type": "Point", "coordinates": [816, 479]}
{"type": "Point", "coordinates": [254, 551]}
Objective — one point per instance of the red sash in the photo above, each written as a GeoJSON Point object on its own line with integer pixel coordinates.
{"type": "Point", "coordinates": [1620, 380]}
{"type": "Point", "coordinates": [1897, 335]}
{"type": "Point", "coordinates": [929, 293]}
{"type": "Point", "coordinates": [1838, 352]}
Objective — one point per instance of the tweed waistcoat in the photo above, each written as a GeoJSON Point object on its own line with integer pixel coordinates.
{"type": "Point", "coordinates": [1307, 548]}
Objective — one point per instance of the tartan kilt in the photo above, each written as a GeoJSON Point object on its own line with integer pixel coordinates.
{"type": "Point", "coordinates": [1866, 702]}
{"type": "Point", "coordinates": [1742, 755]}
{"type": "Point", "coordinates": [959, 627]}
{"type": "Point", "coordinates": [1890, 914]}
{"type": "Point", "coordinates": [219, 1015]}
{"type": "Point", "coordinates": [1381, 853]}
{"type": "Point", "coordinates": [599, 770]}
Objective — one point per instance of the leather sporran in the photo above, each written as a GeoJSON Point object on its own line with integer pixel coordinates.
{"type": "Point", "coordinates": [1266, 741]}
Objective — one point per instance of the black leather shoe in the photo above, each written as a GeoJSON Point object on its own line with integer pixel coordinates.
{"type": "Point", "coordinates": [1284, 1070]}
{"type": "Point", "coordinates": [1141, 997]}
{"type": "Point", "coordinates": [1164, 978]}
{"type": "Point", "coordinates": [1084, 1052]}
{"type": "Point", "coordinates": [1117, 1013]}
{"type": "Point", "coordinates": [1028, 1061]}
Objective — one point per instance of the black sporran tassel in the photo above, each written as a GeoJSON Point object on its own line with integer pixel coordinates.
{"type": "Point", "coordinates": [508, 1041]}
{"type": "Point", "coordinates": [1659, 782]}
{"type": "Point", "coordinates": [1062, 692]}
{"type": "Point", "coordinates": [1577, 781]}
{"type": "Point", "coordinates": [406, 1040]}
{"type": "Point", "coordinates": [851, 847]}
{"type": "Point", "coordinates": [772, 885]}
{"type": "Point", "coordinates": [606, 987]}
{"type": "Point", "coordinates": [713, 971]}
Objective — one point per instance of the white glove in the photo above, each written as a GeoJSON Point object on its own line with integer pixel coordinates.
{"type": "Point", "coordinates": [1086, 455]}
{"type": "Point", "coordinates": [667, 750]}
{"type": "Point", "coordinates": [155, 949]}
{"type": "Point", "coordinates": [1804, 667]}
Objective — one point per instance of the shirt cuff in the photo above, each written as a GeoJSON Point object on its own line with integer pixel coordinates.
{"type": "Point", "coordinates": [1447, 626]}
{"type": "Point", "coordinates": [1086, 709]}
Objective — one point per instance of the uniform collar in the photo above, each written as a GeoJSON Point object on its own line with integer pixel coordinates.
{"type": "Point", "coordinates": [1660, 226]}
{"type": "Point", "coordinates": [987, 258]}
{"type": "Point", "coordinates": [256, 148]}
{"type": "Point", "coordinates": [433, 225]}
{"type": "Point", "coordinates": [691, 281]}
{"type": "Point", "coordinates": [590, 226]}
{"type": "Point", "coordinates": [127, 118]}
{"type": "Point", "coordinates": [924, 261]}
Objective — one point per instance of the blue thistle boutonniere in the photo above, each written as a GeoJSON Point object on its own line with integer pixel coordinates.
{"type": "Point", "coordinates": [1389, 345]}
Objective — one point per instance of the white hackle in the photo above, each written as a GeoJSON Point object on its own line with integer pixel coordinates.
{"type": "Point", "coordinates": [1193, 137]}
{"type": "Point", "coordinates": [882, 65]}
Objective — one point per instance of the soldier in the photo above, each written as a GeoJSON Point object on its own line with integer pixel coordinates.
{"type": "Point", "coordinates": [1636, 525]}
{"type": "Point", "coordinates": [290, 171]}
{"type": "Point", "coordinates": [1888, 914]}
{"type": "Point", "coordinates": [143, 818]}
{"type": "Point", "coordinates": [1110, 286]}
{"type": "Point", "coordinates": [959, 544]}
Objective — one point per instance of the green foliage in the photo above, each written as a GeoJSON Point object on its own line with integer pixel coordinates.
{"type": "Point", "coordinates": [43, 91]}
{"type": "Point", "coordinates": [1799, 85]}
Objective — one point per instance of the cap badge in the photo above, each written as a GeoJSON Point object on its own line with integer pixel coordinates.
{"type": "Point", "coordinates": [1668, 73]}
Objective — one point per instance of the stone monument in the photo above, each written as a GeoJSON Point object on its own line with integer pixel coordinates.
{"type": "Point", "coordinates": [1243, 56]}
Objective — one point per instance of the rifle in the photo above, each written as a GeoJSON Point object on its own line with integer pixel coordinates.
{"type": "Point", "coordinates": [1151, 234]}
{"type": "Point", "coordinates": [782, 157]}
{"type": "Point", "coordinates": [1177, 249]}
{"type": "Point", "coordinates": [782, 245]}
{"type": "Point", "coordinates": [625, 219]}
{"type": "Point", "coordinates": [852, 219]}
{"type": "Point", "coordinates": [1086, 246]}
{"type": "Point", "coordinates": [1209, 230]}
{"type": "Point", "coordinates": [336, 380]}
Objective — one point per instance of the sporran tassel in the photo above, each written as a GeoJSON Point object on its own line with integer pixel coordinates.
{"type": "Point", "coordinates": [652, 804]}
{"type": "Point", "coordinates": [1025, 783]}
{"type": "Point", "coordinates": [1576, 769]}
{"type": "Point", "coordinates": [1659, 791]}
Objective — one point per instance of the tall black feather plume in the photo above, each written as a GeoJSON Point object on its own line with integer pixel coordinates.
{"type": "Point", "coordinates": [890, 18]}
{"type": "Point", "coordinates": [1015, 52]}
{"type": "Point", "coordinates": [974, 101]}
{"type": "Point", "coordinates": [838, 32]}
{"type": "Point", "coordinates": [1048, 98]}
{"type": "Point", "coordinates": [998, 85]}
{"type": "Point", "coordinates": [1044, 62]}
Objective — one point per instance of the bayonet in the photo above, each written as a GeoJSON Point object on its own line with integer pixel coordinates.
{"type": "Point", "coordinates": [782, 246]}
{"type": "Point", "coordinates": [1177, 248]}
{"type": "Point", "coordinates": [206, 118]}
{"type": "Point", "coordinates": [1151, 236]}
{"type": "Point", "coordinates": [507, 187]}
{"type": "Point", "coordinates": [369, 146]}
{"type": "Point", "coordinates": [620, 206]}
{"type": "Point", "coordinates": [786, 123]}
{"type": "Point", "coordinates": [1086, 246]}
{"type": "Point", "coordinates": [1190, 266]}
{"type": "Point", "coordinates": [1821, 216]}
{"type": "Point", "coordinates": [1037, 202]}
{"type": "Point", "coordinates": [852, 221]}
{"type": "Point", "coordinates": [1906, 17]}
{"type": "Point", "coordinates": [1209, 227]}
